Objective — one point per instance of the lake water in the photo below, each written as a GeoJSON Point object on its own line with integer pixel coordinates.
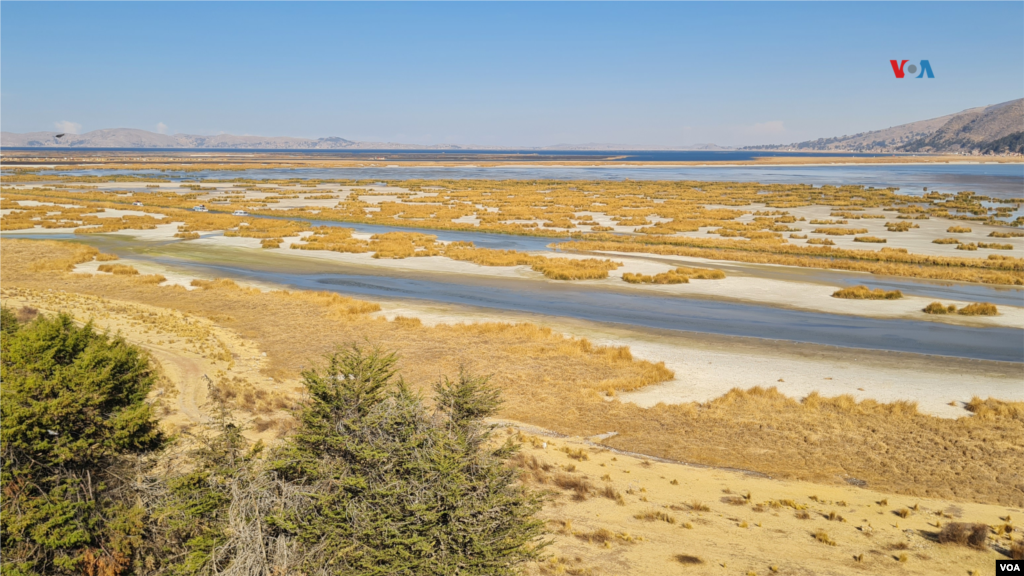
{"type": "Point", "coordinates": [584, 301]}
{"type": "Point", "coordinates": [1004, 181]}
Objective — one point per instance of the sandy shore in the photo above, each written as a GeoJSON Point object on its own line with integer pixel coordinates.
{"type": "Point", "coordinates": [707, 365]}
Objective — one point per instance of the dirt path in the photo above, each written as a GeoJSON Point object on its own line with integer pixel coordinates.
{"type": "Point", "coordinates": [192, 352]}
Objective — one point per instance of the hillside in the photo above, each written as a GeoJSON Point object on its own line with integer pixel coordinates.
{"type": "Point", "coordinates": [998, 128]}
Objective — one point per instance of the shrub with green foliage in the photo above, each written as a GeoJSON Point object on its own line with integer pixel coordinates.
{"type": "Point", "coordinates": [397, 489]}
{"type": "Point", "coordinates": [72, 411]}
{"type": "Point", "coordinates": [372, 482]}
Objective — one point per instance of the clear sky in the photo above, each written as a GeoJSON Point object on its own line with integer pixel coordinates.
{"type": "Point", "coordinates": [503, 74]}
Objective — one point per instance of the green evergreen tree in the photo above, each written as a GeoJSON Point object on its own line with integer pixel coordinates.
{"type": "Point", "coordinates": [396, 489]}
{"type": "Point", "coordinates": [73, 408]}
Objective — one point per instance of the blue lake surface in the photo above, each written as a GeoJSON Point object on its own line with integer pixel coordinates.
{"type": "Point", "coordinates": [1004, 181]}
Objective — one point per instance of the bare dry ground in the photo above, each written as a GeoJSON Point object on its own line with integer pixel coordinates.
{"type": "Point", "coordinates": [613, 513]}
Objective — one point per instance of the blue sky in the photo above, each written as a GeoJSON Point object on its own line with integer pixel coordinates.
{"type": "Point", "coordinates": [503, 74]}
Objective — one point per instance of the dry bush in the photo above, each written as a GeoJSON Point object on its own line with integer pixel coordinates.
{"type": "Point", "coordinates": [870, 239]}
{"type": "Point", "coordinates": [938, 308]}
{"type": "Point", "coordinates": [970, 246]}
{"type": "Point", "coordinates": [735, 500]}
{"type": "Point", "coordinates": [958, 230]}
{"type": "Point", "coordinates": [803, 515]}
{"type": "Point", "coordinates": [26, 314]}
{"type": "Point", "coordinates": [998, 234]}
{"type": "Point", "coordinates": [945, 241]}
{"type": "Point", "coordinates": [862, 292]}
{"type": "Point", "coordinates": [119, 269]}
{"type": "Point", "coordinates": [994, 246]}
{"type": "Point", "coordinates": [979, 309]}
{"type": "Point", "coordinates": [821, 241]}
{"type": "Point", "coordinates": [964, 534]}
{"type": "Point", "coordinates": [1016, 551]}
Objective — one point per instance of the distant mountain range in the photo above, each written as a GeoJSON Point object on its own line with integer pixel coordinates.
{"type": "Point", "coordinates": [132, 138]}
{"type": "Point", "coordinates": [995, 129]}
{"type": "Point", "coordinates": [990, 129]}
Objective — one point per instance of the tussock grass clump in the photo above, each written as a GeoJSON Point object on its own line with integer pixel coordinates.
{"type": "Point", "coordinates": [581, 487]}
{"type": "Point", "coordinates": [119, 269]}
{"type": "Point", "coordinates": [903, 226]}
{"type": "Point", "coordinates": [798, 236]}
{"type": "Point", "coordinates": [681, 275]}
{"type": "Point", "coordinates": [823, 537]}
{"type": "Point", "coordinates": [945, 241]}
{"type": "Point", "coordinates": [840, 231]}
{"type": "Point", "coordinates": [701, 273]}
{"type": "Point", "coordinates": [958, 230]}
{"type": "Point", "coordinates": [998, 234]}
{"type": "Point", "coordinates": [576, 454]}
{"type": "Point", "coordinates": [971, 246]}
{"type": "Point", "coordinates": [104, 257]}
{"type": "Point", "coordinates": [187, 235]}
{"type": "Point", "coordinates": [697, 506]}
{"type": "Point", "coordinates": [862, 292]}
{"type": "Point", "coordinates": [803, 515]}
{"type": "Point", "coordinates": [939, 308]}
{"type": "Point", "coordinates": [653, 515]}
{"type": "Point", "coordinates": [571, 269]}
{"type": "Point", "coordinates": [611, 493]}
{"type": "Point", "coordinates": [979, 309]}
{"type": "Point", "coordinates": [965, 534]}
{"type": "Point", "coordinates": [151, 279]}
{"type": "Point", "coordinates": [995, 246]}
{"type": "Point", "coordinates": [992, 409]}
{"type": "Point", "coordinates": [669, 277]}
{"type": "Point", "coordinates": [821, 242]}
{"type": "Point", "coordinates": [271, 243]}
{"type": "Point", "coordinates": [870, 239]}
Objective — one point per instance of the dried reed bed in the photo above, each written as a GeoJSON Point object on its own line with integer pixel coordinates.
{"type": "Point", "coordinates": [119, 269]}
{"type": "Point", "coordinates": [975, 309]}
{"type": "Point", "coordinates": [681, 275]}
{"type": "Point", "coordinates": [1008, 271]}
{"type": "Point", "coordinates": [870, 239]}
{"type": "Point", "coordinates": [562, 384]}
{"type": "Point", "coordinates": [862, 292]}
